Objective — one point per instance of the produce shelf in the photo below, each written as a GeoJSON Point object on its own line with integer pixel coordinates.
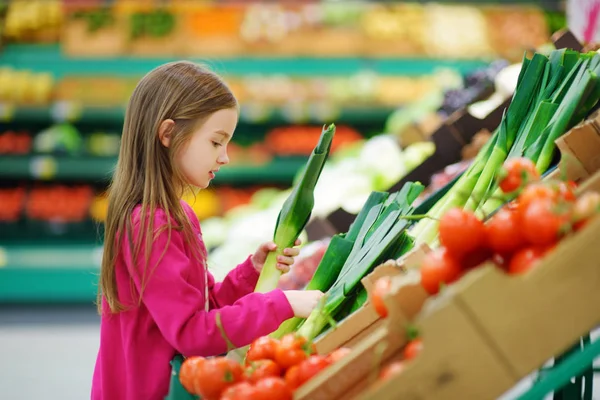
{"type": "Point", "coordinates": [249, 114]}
{"type": "Point", "coordinates": [48, 58]}
{"type": "Point", "coordinates": [48, 167]}
{"type": "Point", "coordinates": [46, 274]}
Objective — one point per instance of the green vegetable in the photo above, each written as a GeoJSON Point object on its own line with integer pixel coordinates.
{"type": "Point", "coordinates": [296, 210]}
{"type": "Point", "coordinates": [381, 236]}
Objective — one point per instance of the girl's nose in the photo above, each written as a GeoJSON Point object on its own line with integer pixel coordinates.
{"type": "Point", "coordinates": [223, 158]}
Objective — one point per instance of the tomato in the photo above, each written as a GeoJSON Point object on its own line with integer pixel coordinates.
{"type": "Point", "coordinates": [438, 267]}
{"type": "Point", "coordinates": [338, 354]}
{"type": "Point", "coordinates": [391, 370]}
{"type": "Point", "coordinates": [272, 388]}
{"type": "Point", "coordinates": [311, 367]}
{"type": "Point", "coordinates": [187, 373]}
{"type": "Point", "coordinates": [566, 191]}
{"type": "Point", "coordinates": [504, 233]}
{"type": "Point", "coordinates": [461, 232]}
{"type": "Point", "coordinates": [585, 207]}
{"type": "Point", "coordinates": [476, 258]}
{"type": "Point", "coordinates": [501, 261]}
{"type": "Point", "coordinates": [412, 349]}
{"type": "Point", "coordinates": [543, 222]}
{"type": "Point", "coordinates": [260, 369]}
{"type": "Point", "coordinates": [292, 377]}
{"type": "Point", "coordinates": [380, 289]}
{"type": "Point", "coordinates": [262, 348]}
{"type": "Point", "coordinates": [292, 350]}
{"type": "Point", "coordinates": [525, 259]}
{"type": "Point", "coordinates": [535, 191]}
{"type": "Point", "coordinates": [239, 391]}
{"type": "Point", "coordinates": [516, 173]}
{"type": "Point", "coordinates": [215, 375]}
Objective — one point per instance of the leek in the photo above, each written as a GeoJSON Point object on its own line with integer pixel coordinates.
{"type": "Point", "coordinates": [380, 236]}
{"type": "Point", "coordinates": [295, 211]}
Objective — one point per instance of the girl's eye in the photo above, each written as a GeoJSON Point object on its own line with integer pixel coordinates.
{"type": "Point", "coordinates": [217, 144]}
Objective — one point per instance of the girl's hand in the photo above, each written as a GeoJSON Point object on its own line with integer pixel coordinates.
{"type": "Point", "coordinates": [283, 261]}
{"type": "Point", "coordinates": [303, 302]}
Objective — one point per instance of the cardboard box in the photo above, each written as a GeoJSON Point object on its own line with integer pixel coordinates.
{"type": "Point", "coordinates": [580, 150]}
{"type": "Point", "coordinates": [353, 373]}
{"type": "Point", "coordinates": [531, 318]}
{"type": "Point", "coordinates": [365, 321]}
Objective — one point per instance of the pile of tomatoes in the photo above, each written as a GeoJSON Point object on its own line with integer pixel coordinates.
{"type": "Point", "coordinates": [517, 236]}
{"type": "Point", "coordinates": [273, 370]}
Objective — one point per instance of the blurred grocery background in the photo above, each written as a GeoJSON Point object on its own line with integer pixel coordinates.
{"type": "Point", "coordinates": [388, 74]}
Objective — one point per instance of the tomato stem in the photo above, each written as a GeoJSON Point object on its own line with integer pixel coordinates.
{"type": "Point", "coordinates": [412, 332]}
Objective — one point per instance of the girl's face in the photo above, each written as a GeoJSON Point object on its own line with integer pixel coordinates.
{"type": "Point", "coordinates": [206, 151]}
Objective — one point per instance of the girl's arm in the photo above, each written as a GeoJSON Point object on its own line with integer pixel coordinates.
{"type": "Point", "coordinates": [178, 307]}
{"type": "Point", "coordinates": [238, 283]}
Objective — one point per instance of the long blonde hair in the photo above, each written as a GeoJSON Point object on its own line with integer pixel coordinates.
{"type": "Point", "coordinates": [146, 173]}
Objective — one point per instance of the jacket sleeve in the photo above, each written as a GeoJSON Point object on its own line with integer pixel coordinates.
{"type": "Point", "coordinates": [177, 307]}
{"type": "Point", "coordinates": [238, 283]}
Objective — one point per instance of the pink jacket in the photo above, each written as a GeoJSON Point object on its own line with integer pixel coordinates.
{"type": "Point", "coordinates": [137, 345]}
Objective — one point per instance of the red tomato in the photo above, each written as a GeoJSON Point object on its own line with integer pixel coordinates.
{"type": "Point", "coordinates": [566, 191]}
{"type": "Point", "coordinates": [501, 261]}
{"type": "Point", "coordinates": [391, 370]}
{"type": "Point", "coordinates": [380, 289]}
{"type": "Point", "coordinates": [311, 367]}
{"type": "Point", "coordinates": [476, 258]}
{"type": "Point", "coordinates": [260, 369]}
{"type": "Point", "coordinates": [543, 223]}
{"type": "Point", "coordinates": [338, 354]}
{"type": "Point", "coordinates": [516, 173]}
{"type": "Point", "coordinates": [239, 391]}
{"type": "Point", "coordinates": [413, 348]}
{"type": "Point", "coordinates": [262, 348]}
{"type": "Point", "coordinates": [438, 268]}
{"type": "Point", "coordinates": [273, 388]}
{"type": "Point", "coordinates": [504, 233]}
{"type": "Point", "coordinates": [535, 191]}
{"type": "Point", "coordinates": [187, 373]}
{"type": "Point", "coordinates": [461, 232]}
{"type": "Point", "coordinates": [292, 377]}
{"type": "Point", "coordinates": [215, 375]}
{"type": "Point", "coordinates": [525, 259]}
{"type": "Point", "coordinates": [292, 350]}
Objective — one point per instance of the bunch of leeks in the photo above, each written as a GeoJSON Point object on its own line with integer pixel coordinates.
{"type": "Point", "coordinates": [377, 234]}
{"type": "Point", "coordinates": [553, 93]}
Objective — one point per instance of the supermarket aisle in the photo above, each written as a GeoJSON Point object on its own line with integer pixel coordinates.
{"type": "Point", "coordinates": [47, 353]}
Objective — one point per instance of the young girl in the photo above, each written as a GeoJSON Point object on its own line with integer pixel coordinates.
{"type": "Point", "coordinates": [156, 297]}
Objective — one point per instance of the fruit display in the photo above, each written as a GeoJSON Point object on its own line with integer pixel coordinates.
{"type": "Point", "coordinates": [59, 203]}
{"type": "Point", "coordinates": [24, 87]}
{"type": "Point", "coordinates": [33, 21]}
{"type": "Point", "coordinates": [369, 29]}
{"type": "Point", "coordinates": [13, 202]}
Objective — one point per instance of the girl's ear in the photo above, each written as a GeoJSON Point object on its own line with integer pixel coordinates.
{"type": "Point", "coordinates": [165, 129]}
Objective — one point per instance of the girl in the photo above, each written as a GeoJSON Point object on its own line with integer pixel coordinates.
{"type": "Point", "coordinates": [156, 297]}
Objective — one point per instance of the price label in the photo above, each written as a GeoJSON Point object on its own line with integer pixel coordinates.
{"type": "Point", "coordinates": [7, 112]}
{"type": "Point", "coordinates": [43, 167]}
{"type": "Point", "coordinates": [66, 111]}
